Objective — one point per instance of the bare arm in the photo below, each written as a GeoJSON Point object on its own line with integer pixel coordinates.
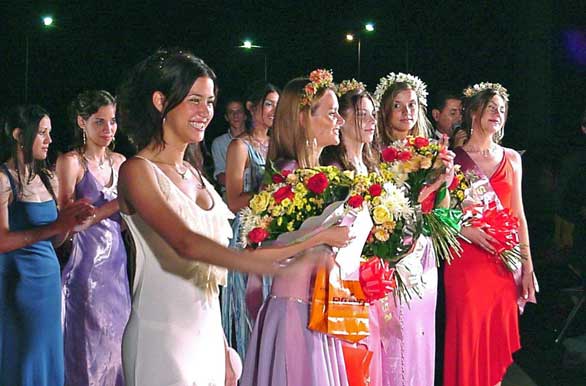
{"type": "Point", "coordinates": [236, 160]}
{"type": "Point", "coordinates": [69, 217]}
{"type": "Point", "coordinates": [148, 201]}
{"type": "Point", "coordinates": [519, 212]}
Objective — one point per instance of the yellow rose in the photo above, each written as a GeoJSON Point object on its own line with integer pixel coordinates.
{"type": "Point", "coordinates": [259, 202]}
{"type": "Point", "coordinates": [381, 214]}
{"type": "Point", "coordinates": [292, 178]}
{"type": "Point", "coordinates": [376, 201]}
{"type": "Point", "coordinates": [290, 226]}
{"type": "Point", "coordinates": [425, 163]}
{"type": "Point", "coordinates": [381, 235]}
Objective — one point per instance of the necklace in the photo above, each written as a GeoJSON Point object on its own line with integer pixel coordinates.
{"type": "Point", "coordinates": [262, 146]}
{"type": "Point", "coordinates": [100, 162]}
{"type": "Point", "coordinates": [483, 152]}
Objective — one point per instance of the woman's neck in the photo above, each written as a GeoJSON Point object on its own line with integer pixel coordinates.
{"type": "Point", "coordinates": [354, 153]}
{"type": "Point", "coordinates": [479, 141]}
{"type": "Point", "coordinates": [95, 153]}
{"type": "Point", "coordinates": [170, 154]}
{"type": "Point", "coordinates": [259, 132]}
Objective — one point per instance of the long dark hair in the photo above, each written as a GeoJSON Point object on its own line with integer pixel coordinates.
{"type": "Point", "coordinates": [85, 105]}
{"type": "Point", "coordinates": [27, 119]}
{"type": "Point", "coordinates": [171, 72]}
{"type": "Point", "coordinates": [337, 154]}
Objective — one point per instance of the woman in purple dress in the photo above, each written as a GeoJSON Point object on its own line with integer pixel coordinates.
{"type": "Point", "coordinates": [96, 296]}
{"type": "Point", "coordinates": [283, 350]}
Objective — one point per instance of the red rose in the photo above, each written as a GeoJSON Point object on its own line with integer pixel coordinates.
{"type": "Point", "coordinates": [404, 155]}
{"type": "Point", "coordinates": [389, 154]}
{"type": "Point", "coordinates": [355, 201]}
{"type": "Point", "coordinates": [375, 190]}
{"type": "Point", "coordinates": [285, 172]}
{"type": "Point", "coordinates": [277, 178]}
{"type": "Point", "coordinates": [421, 142]}
{"type": "Point", "coordinates": [454, 184]}
{"type": "Point", "coordinates": [317, 183]}
{"type": "Point", "coordinates": [283, 193]}
{"type": "Point", "coordinates": [258, 235]}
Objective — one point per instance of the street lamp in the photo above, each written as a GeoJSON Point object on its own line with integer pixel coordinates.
{"type": "Point", "coordinates": [350, 37]}
{"type": "Point", "coordinates": [248, 45]}
{"type": "Point", "coordinates": [47, 23]}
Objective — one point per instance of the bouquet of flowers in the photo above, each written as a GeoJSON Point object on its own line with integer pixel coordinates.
{"type": "Point", "coordinates": [481, 208]}
{"type": "Point", "coordinates": [415, 163]}
{"type": "Point", "coordinates": [289, 199]}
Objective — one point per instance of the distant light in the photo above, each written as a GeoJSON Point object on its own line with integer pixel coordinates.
{"type": "Point", "coordinates": [247, 44]}
{"type": "Point", "coordinates": [349, 37]}
{"type": "Point", "coordinates": [369, 27]}
{"type": "Point", "coordinates": [47, 21]}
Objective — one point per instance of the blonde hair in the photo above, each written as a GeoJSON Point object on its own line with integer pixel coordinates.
{"type": "Point", "coordinates": [290, 140]}
{"type": "Point", "coordinates": [422, 124]}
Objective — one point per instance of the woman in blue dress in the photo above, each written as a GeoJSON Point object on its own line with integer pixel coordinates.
{"type": "Point", "coordinates": [96, 297]}
{"type": "Point", "coordinates": [31, 342]}
{"type": "Point", "coordinates": [245, 166]}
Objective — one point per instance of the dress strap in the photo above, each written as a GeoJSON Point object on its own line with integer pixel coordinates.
{"type": "Point", "coordinates": [11, 181]}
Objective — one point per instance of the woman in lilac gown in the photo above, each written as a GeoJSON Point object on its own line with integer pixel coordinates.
{"type": "Point", "coordinates": [282, 350]}
{"type": "Point", "coordinates": [96, 296]}
{"type": "Point", "coordinates": [407, 330]}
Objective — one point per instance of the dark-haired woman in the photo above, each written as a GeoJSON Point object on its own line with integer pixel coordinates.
{"type": "Point", "coordinates": [483, 296]}
{"type": "Point", "coordinates": [180, 227]}
{"type": "Point", "coordinates": [95, 284]}
{"type": "Point", "coordinates": [245, 166]}
{"type": "Point", "coordinates": [31, 342]}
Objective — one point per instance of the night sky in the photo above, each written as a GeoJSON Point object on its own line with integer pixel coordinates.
{"type": "Point", "coordinates": [537, 49]}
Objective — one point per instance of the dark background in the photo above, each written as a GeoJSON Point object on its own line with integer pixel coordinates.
{"type": "Point", "coordinates": [537, 49]}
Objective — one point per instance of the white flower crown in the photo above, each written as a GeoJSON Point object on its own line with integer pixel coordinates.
{"type": "Point", "coordinates": [416, 84]}
{"type": "Point", "coordinates": [470, 91]}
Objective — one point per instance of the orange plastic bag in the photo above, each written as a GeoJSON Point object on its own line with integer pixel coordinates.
{"type": "Point", "coordinates": [338, 307]}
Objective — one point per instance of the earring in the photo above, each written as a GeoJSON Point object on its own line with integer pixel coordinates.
{"type": "Point", "coordinates": [113, 144]}
{"type": "Point", "coordinates": [83, 136]}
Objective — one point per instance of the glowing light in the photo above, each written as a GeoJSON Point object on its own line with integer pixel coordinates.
{"type": "Point", "coordinates": [247, 44]}
{"type": "Point", "coordinates": [349, 37]}
{"type": "Point", "coordinates": [369, 27]}
{"type": "Point", "coordinates": [47, 21]}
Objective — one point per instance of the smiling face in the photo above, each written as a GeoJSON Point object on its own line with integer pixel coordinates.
{"type": "Point", "coordinates": [325, 121]}
{"type": "Point", "coordinates": [264, 113]}
{"type": "Point", "coordinates": [42, 140]}
{"type": "Point", "coordinates": [187, 122]}
{"type": "Point", "coordinates": [360, 122]}
{"type": "Point", "coordinates": [402, 113]}
{"type": "Point", "coordinates": [493, 117]}
{"type": "Point", "coordinates": [100, 127]}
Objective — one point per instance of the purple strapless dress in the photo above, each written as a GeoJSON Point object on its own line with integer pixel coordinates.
{"type": "Point", "coordinates": [96, 297]}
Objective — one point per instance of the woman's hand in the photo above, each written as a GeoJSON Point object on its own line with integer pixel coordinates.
{"type": "Point", "coordinates": [74, 214]}
{"type": "Point", "coordinates": [479, 237]}
{"type": "Point", "coordinates": [447, 158]}
{"type": "Point", "coordinates": [336, 236]}
{"type": "Point", "coordinates": [528, 284]}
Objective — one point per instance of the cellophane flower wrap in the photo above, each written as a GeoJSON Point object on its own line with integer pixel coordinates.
{"type": "Point", "coordinates": [393, 234]}
{"type": "Point", "coordinates": [481, 209]}
{"type": "Point", "coordinates": [414, 163]}
{"type": "Point", "coordinates": [289, 198]}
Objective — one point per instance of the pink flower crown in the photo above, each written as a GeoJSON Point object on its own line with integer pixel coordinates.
{"type": "Point", "coordinates": [319, 79]}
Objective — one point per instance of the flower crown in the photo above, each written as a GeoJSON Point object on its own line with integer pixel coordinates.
{"type": "Point", "coordinates": [417, 84]}
{"type": "Point", "coordinates": [470, 91]}
{"type": "Point", "coordinates": [318, 79]}
{"type": "Point", "coordinates": [347, 86]}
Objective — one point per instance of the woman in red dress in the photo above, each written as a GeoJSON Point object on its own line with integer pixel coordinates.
{"type": "Point", "coordinates": [482, 295]}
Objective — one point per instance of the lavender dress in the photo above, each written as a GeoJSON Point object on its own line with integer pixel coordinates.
{"type": "Point", "coordinates": [403, 335]}
{"type": "Point", "coordinates": [282, 350]}
{"type": "Point", "coordinates": [96, 298]}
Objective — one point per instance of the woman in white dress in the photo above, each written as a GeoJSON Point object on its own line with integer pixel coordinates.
{"type": "Point", "coordinates": [180, 229]}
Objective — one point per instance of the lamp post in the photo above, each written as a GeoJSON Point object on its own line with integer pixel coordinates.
{"type": "Point", "coordinates": [247, 45]}
{"type": "Point", "coordinates": [47, 23]}
{"type": "Point", "coordinates": [350, 37]}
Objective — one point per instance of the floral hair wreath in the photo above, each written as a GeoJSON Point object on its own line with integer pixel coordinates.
{"type": "Point", "coordinates": [347, 86]}
{"type": "Point", "coordinates": [318, 79]}
{"type": "Point", "coordinates": [470, 91]}
{"type": "Point", "coordinates": [417, 84]}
